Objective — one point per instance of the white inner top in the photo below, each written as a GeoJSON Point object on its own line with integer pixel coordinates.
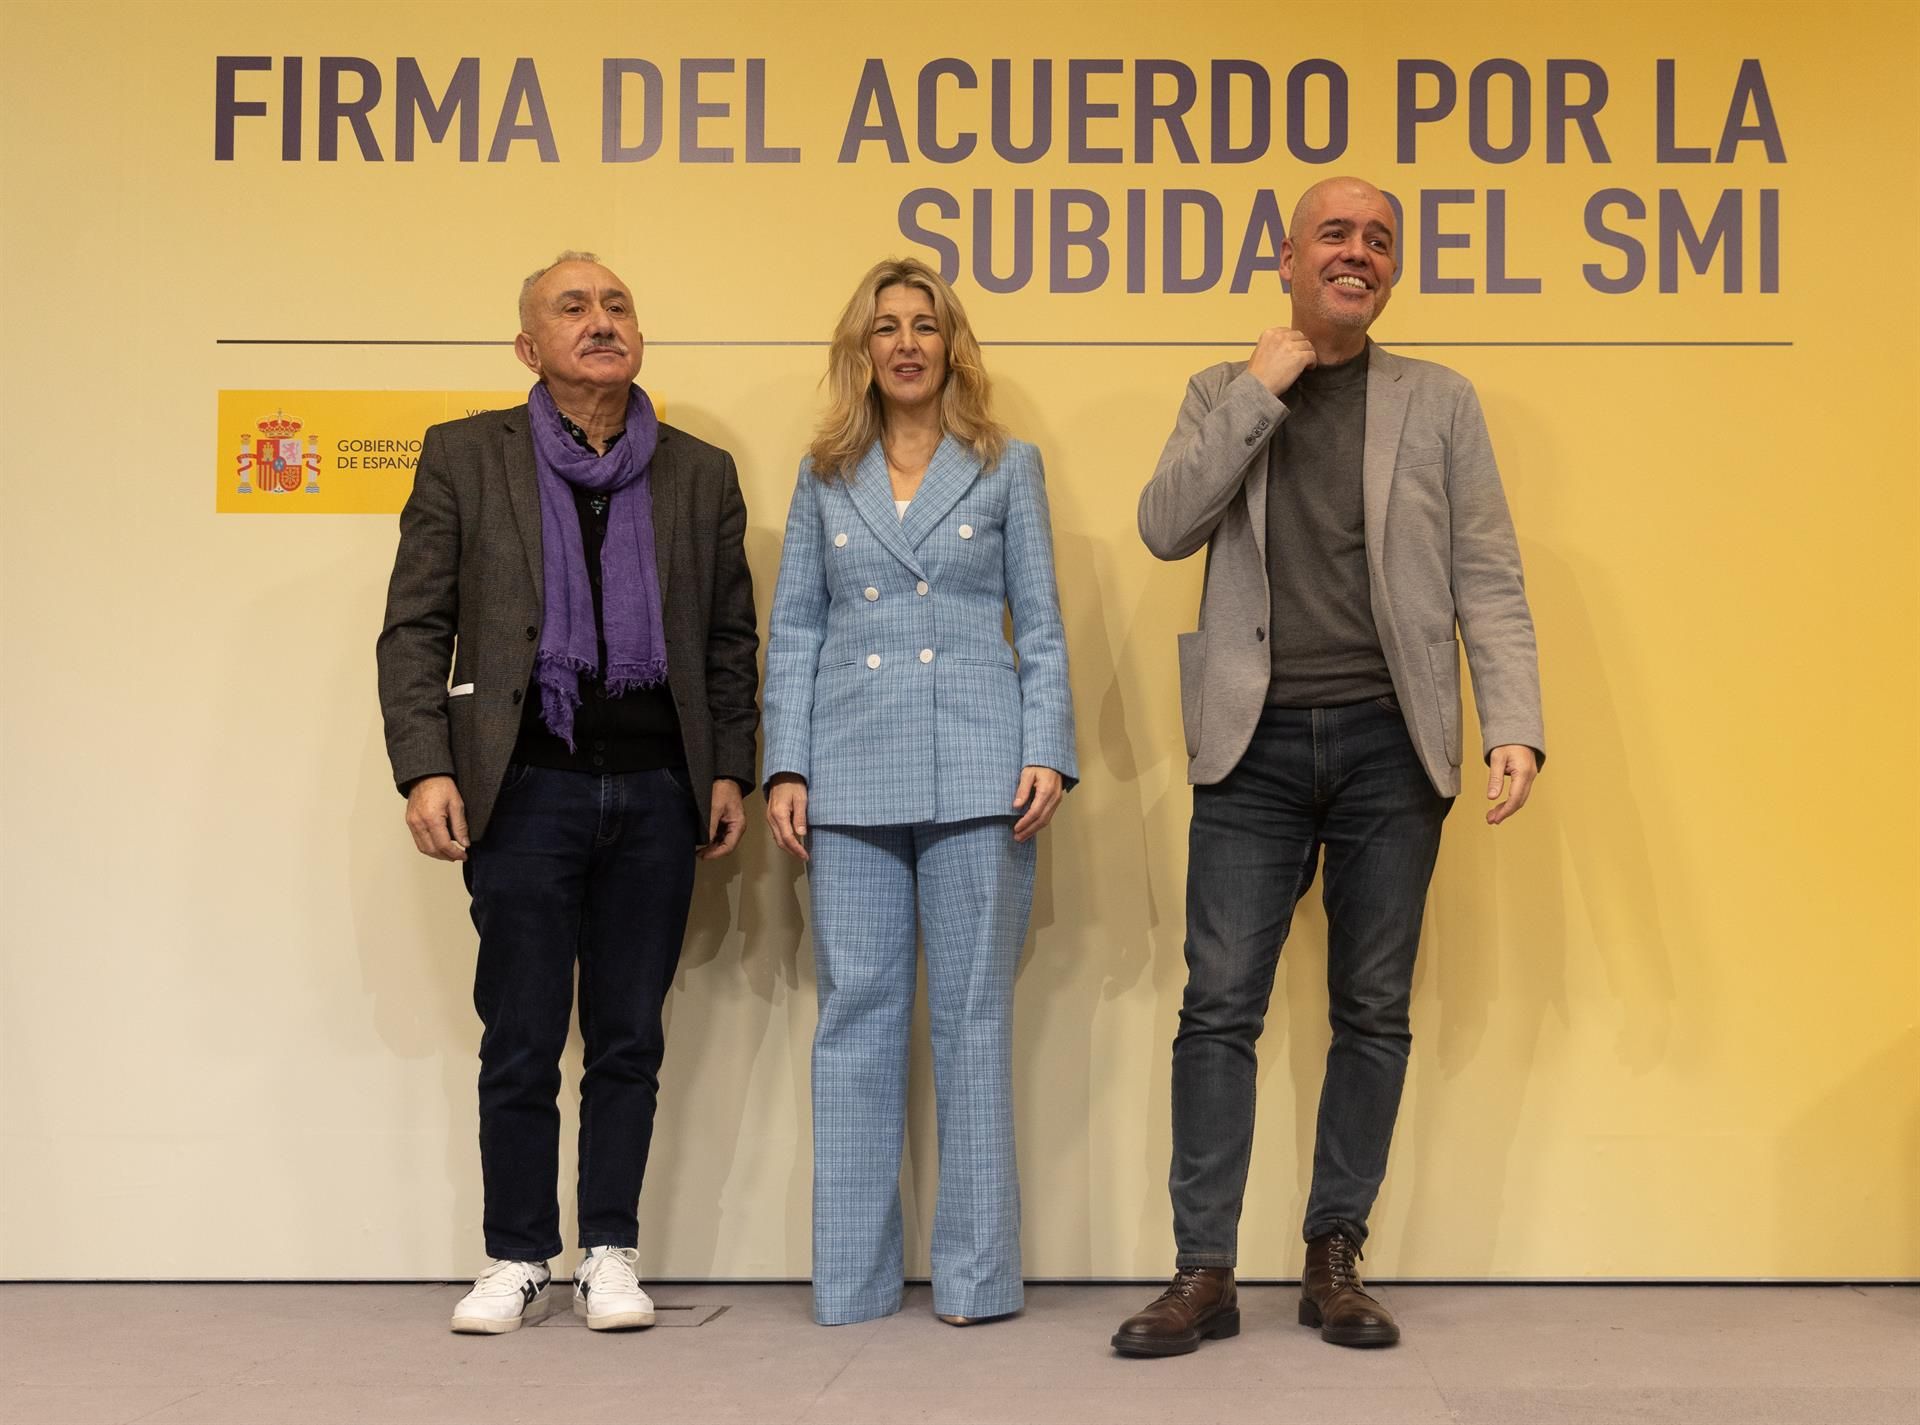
{"type": "Point", "coordinates": [900, 507]}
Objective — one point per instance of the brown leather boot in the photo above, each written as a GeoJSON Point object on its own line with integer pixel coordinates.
{"type": "Point", "coordinates": [1200, 1304]}
{"type": "Point", "coordinates": [1332, 1298]}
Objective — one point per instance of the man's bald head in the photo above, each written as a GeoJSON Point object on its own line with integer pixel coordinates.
{"type": "Point", "coordinates": [1339, 191]}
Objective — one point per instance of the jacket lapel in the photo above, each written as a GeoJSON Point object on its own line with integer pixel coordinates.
{"type": "Point", "coordinates": [664, 484]}
{"type": "Point", "coordinates": [1386, 414]}
{"type": "Point", "coordinates": [872, 495]}
{"type": "Point", "coordinates": [523, 490]}
{"type": "Point", "coordinates": [950, 474]}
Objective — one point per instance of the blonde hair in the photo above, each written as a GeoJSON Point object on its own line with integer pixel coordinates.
{"type": "Point", "coordinates": [854, 418]}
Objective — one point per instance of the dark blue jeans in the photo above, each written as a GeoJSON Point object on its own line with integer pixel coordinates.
{"type": "Point", "coordinates": [1344, 780]}
{"type": "Point", "coordinates": [595, 869]}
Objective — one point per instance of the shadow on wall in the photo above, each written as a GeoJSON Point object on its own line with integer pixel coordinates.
{"type": "Point", "coordinates": [1071, 970]}
{"type": "Point", "coordinates": [742, 999]}
{"type": "Point", "coordinates": [1494, 965]}
{"type": "Point", "coordinates": [416, 946]}
{"type": "Point", "coordinates": [410, 938]}
{"type": "Point", "coordinates": [738, 1021]}
{"type": "Point", "coordinates": [1881, 1095]}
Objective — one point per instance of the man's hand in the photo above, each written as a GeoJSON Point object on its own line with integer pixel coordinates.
{"type": "Point", "coordinates": [1040, 791]}
{"type": "Point", "coordinates": [1518, 764]}
{"type": "Point", "coordinates": [438, 819]}
{"type": "Point", "coordinates": [787, 813]}
{"type": "Point", "coordinates": [727, 820]}
{"type": "Point", "coordinates": [1281, 356]}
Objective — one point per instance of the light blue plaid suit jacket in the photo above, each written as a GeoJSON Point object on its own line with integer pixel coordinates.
{"type": "Point", "coordinates": [890, 684]}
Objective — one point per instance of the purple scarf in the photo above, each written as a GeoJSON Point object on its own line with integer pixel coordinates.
{"type": "Point", "coordinates": [629, 577]}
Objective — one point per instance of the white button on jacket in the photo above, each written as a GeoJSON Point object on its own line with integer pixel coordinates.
{"type": "Point", "coordinates": [873, 660]}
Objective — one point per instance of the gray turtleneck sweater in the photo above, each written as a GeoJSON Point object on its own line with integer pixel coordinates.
{"type": "Point", "coordinates": [1326, 649]}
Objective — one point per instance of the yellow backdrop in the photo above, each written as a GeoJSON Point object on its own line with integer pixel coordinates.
{"type": "Point", "coordinates": [1666, 1020]}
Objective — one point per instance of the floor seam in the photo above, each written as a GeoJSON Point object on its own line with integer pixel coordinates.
{"type": "Point", "coordinates": [179, 1400]}
{"type": "Point", "coordinates": [846, 1365]}
{"type": "Point", "coordinates": [1433, 1381]}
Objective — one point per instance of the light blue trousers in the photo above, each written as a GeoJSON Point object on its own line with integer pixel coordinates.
{"type": "Point", "coordinates": [972, 887]}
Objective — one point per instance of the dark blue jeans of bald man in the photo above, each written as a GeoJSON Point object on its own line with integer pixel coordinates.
{"type": "Point", "coordinates": [1342, 782]}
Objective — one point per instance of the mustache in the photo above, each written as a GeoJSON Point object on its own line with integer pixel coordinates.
{"type": "Point", "coordinates": [604, 343]}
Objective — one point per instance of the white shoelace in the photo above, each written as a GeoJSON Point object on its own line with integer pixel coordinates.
{"type": "Point", "coordinates": [507, 1279]}
{"type": "Point", "coordinates": [613, 1271]}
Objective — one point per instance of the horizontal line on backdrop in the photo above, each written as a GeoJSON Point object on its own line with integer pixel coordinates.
{"type": "Point", "coordinates": [1237, 344]}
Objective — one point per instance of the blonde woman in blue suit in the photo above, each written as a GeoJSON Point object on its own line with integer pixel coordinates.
{"type": "Point", "coordinates": [910, 761]}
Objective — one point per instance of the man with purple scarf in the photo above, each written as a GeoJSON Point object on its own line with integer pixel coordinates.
{"type": "Point", "coordinates": [580, 568]}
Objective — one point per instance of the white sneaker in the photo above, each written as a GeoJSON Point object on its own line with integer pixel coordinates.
{"type": "Point", "coordinates": [606, 1290]}
{"type": "Point", "coordinates": [505, 1297]}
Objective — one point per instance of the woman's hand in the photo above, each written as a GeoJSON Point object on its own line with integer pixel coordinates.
{"type": "Point", "coordinates": [1040, 793]}
{"type": "Point", "coordinates": [787, 812]}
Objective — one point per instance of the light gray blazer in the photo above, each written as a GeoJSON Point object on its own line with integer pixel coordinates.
{"type": "Point", "coordinates": [1440, 554]}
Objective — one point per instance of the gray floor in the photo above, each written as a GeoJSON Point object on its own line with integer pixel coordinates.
{"type": "Point", "coordinates": [163, 1355]}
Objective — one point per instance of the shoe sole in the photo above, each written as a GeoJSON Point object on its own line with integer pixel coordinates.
{"type": "Point", "coordinates": [612, 1320]}
{"type": "Point", "coordinates": [490, 1326]}
{"type": "Point", "coordinates": [1360, 1336]}
{"type": "Point", "coordinates": [977, 1320]}
{"type": "Point", "coordinates": [1221, 1328]}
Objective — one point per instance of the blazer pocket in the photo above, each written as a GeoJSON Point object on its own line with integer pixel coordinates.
{"type": "Point", "coordinates": [1001, 656]}
{"type": "Point", "coordinates": [1412, 457]}
{"type": "Point", "coordinates": [1443, 661]}
{"type": "Point", "coordinates": [1193, 674]}
{"type": "Point", "coordinates": [463, 715]}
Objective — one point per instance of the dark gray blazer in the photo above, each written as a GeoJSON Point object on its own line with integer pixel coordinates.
{"type": "Point", "coordinates": [466, 594]}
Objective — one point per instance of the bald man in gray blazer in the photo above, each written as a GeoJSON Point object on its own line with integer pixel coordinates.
{"type": "Point", "coordinates": [1356, 536]}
